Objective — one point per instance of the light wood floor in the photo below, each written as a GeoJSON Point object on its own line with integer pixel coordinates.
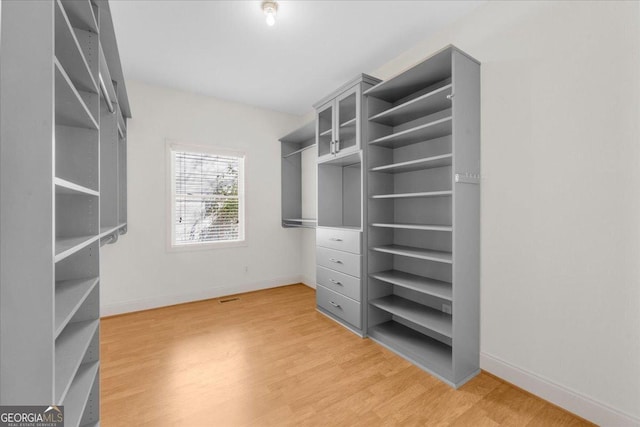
{"type": "Point", "coordinates": [270, 359]}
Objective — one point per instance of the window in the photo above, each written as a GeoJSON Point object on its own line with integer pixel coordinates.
{"type": "Point", "coordinates": [207, 197]}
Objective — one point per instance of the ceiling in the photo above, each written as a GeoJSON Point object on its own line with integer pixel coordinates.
{"type": "Point", "coordinates": [225, 49]}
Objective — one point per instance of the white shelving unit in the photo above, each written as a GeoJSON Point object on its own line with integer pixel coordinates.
{"type": "Point", "coordinates": [53, 193]}
{"type": "Point", "coordinates": [423, 224]}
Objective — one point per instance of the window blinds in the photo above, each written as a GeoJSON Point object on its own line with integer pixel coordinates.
{"type": "Point", "coordinates": [207, 197]}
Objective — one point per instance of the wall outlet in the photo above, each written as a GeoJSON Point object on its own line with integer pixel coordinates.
{"type": "Point", "coordinates": [446, 308]}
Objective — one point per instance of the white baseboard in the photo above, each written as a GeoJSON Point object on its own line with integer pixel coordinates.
{"type": "Point", "coordinates": [308, 281]}
{"type": "Point", "coordinates": [568, 399]}
{"type": "Point", "coordinates": [167, 300]}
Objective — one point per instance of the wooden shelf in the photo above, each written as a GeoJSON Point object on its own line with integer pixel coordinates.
{"type": "Point", "coordinates": [71, 347]}
{"type": "Point", "coordinates": [426, 352]}
{"type": "Point", "coordinates": [421, 315]}
{"type": "Point", "coordinates": [67, 246]}
{"type": "Point", "coordinates": [67, 187]}
{"type": "Point", "coordinates": [426, 132]}
{"type": "Point", "coordinates": [76, 400]}
{"type": "Point", "coordinates": [69, 53]}
{"type": "Point", "coordinates": [413, 195]}
{"type": "Point", "coordinates": [424, 227]}
{"type": "Point", "coordinates": [414, 165]}
{"type": "Point", "coordinates": [69, 296]}
{"type": "Point", "coordinates": [80, 13]}
{"type": "Point", "coordinates": [411, 252]}
{"type": "Point", "coordinates": [416, 283]}
{"type": "Point", "coordinates": [429, 103]}
{"type": "Point", "coordinates": [71, 109]}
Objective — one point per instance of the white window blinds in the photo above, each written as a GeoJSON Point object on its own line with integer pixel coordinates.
{"type": "Point", "coordinates": [207, 197]}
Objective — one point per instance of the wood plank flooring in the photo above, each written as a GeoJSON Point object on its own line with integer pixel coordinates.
{"type": "Point", "coordinates": [269, 358]}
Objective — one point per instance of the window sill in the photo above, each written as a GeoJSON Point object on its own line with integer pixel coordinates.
{"type": "Point", "coordinates": [207, 246]}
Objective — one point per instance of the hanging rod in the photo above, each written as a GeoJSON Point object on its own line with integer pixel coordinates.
{"type": "Point", "coordinates": [298, 151]}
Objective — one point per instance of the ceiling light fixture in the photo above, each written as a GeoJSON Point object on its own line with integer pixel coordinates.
{"type": "Point", "coordinates": [270, 9]}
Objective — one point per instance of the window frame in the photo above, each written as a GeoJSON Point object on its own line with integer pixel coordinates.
{"type": "Point", "coordinates": [174, 146]}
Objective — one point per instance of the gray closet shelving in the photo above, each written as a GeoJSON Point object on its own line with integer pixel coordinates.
{"type": "Point", "coordinates": [423, 213]}
{"type": "Point", "coordinates": [292, 145]}
{"type": "Point", "coordinates": [340, 130]}
{"type": "Point", "coordinates": [62, 193]}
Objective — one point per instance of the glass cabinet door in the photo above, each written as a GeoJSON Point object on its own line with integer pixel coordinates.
{"type": "Point", "coordinates": [324, 132]}
{"type": "Point", "coordinates": [348, 126]}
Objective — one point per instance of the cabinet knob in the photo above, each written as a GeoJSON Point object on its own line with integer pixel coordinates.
{"type": "Point", "coordinates": [334, 304]}
{"type": "Point", "coordinates": [337, 261]}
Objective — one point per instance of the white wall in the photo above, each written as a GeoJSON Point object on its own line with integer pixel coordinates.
{"type": "Point", "coordinates": [138, 272]}
{"type": "Point", "coordinates": [560, 197]}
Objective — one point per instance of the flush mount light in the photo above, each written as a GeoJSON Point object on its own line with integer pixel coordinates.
{"type": "Point", "coordinates": [270, 9]}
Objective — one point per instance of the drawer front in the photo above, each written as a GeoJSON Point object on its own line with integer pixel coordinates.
{"type": "Point", "coordinates": [344, 262]}
{"type": "Point", "coordinates": [339, 305]}
{"type": "Point", "coordinates": [339, 282]}
{"type": "Point", "coordinates": [342, 240]}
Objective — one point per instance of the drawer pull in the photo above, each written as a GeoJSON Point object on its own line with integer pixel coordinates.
{"type": "Point", "coordinates": [334, 304]}
{"type": "Point", "coordinates": [337, 261]}
{"type": "Point", "coordinates": [335, 239]}
{"type": "Point", "coordinates": [335, 281]}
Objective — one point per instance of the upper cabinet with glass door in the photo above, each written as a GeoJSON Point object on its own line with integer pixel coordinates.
{"type": "Point", "coordinates": [339, 119]}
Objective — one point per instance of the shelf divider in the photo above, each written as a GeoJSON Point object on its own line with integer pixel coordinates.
{"type": "Point", "coordinates": [424, 227]}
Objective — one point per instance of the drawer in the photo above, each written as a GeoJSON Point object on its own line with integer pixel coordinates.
{"type": "Point", "coordinates": [339, 305]}
{"type": "Point", "coordinates": [342, 240]}
{"type": "Point", "coordinates": [339, 282]}
{"type": "Point", "coordinates": [344, 262]}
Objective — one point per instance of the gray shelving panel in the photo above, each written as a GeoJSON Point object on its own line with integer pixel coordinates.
{"type": "Point", "coordinates": [415, 165]}
{"type": "Point", "coordinates": [426, 352]}
{"type": "Point", "coordinates": [419, 314]}
{"type": "Point", "coordinates": [52, 195]}
{"type": "Point", "coordinates": [437, 288]}
{"type": "Point", "coordinates": [81, 14]}
{"type": "Point", "coordinates": [70, 54]}
{"type": "Point", "coordinates": [407, 251]}
{"type": "Point", "coordinates": [71, 346]}
{"type": "Point", "coordinates": [69, 296]}
{"type": "Point", "coordinates": [424, 132]}
{"type": "Point", "coordinates": [433, 101]}
{"type": "Point", "coordinates": [78, 395]}
{"type": "Point", "coordinates": [423, 288]}
{"type": "Point", "coordinates": [424, 227]}
{"type": "Point", "coordinates": [292, 146]}
{"type": "Point", "coordinates": [71, 108]}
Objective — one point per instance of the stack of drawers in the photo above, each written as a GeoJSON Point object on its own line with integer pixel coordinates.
{"type": "Point", "coordinates": [339, 267]}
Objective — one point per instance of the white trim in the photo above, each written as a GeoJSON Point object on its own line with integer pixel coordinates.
{"type": "Point", "coordinates": [167, 300]}
{"type": "Point", "coordinates": [557, 394]}
{"type": "Point", "coordinates": [308, 282]}
{"type": "Point", "coordinates": [172, 145]}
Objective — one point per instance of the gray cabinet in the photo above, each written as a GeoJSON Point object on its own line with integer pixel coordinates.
{"type": "Point", "coordinates": [292, 146]}
{"type": "Point", "coordinates": [58, 185]}
{"type": "Point", "coordinates": [423, 215]}
{"type": "Point", "coordinates": [339, 134]}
